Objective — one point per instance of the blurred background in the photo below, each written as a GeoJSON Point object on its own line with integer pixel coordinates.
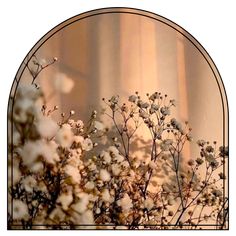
{"type": "Point", "coordinates": [120, 53]}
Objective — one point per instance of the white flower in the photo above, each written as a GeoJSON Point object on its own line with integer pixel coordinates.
{"type": "Point", "coordinates": [72, 123]}
{"type": "Point", "coordinates": [104, 175]}
{"type": "Point", "coordinates": [119, 158]}
{"type": "Point", "coordinates": [148, 203]}
{"type": "Point", "coordinates": [57, 214]}
{"type": "Point", "coordinates": [125, 203]}
{"type": "Point", "coordinates": [92, 167]}
{"type": "Point", "coordinates": [79, 124]}
{"type": "Point", "coordinates": [113, 150]}
{"type": "Point", "coordinates": [47, 127]}
{"type": "Point", "coordinates": [24, 106]}
{"type": "Point", "coordinates": [31, 153]}
{"type": "Point", "coordinates": [34, 152]}
{"type": "Point", "coordinates": [106, 156]}
{"type": "Point", "coordinates": [89, 185]}
{"type": "Point", "coordinates": [20, 210]}
{"type": "Point", "coordinates": [74, 158]}
{"type": "Point", "coordinates": [64, 136]}
{"type": "Point", "coordinates": [98, 211]}
{"type": "Point", "coordinates": [82, 205]}
{"type": "Point", "coordinates": [65, 199]}
{"type": "Point", "coordinates": [36, 167]}
{"type": "Point", "coordinates": [86, 218]}
{"type": "Point", "coordinates": [23, 109]}
{"type": "Point", "coordinates": [28, 91]}
{"type": "Point", "coordinates": [63, 83]}
{"type": "Point", "coordinates": [93, 198]}
{"type": "Point", "coordinates": [87, 145]}
{"type": "Point", "coordinates": [125, 164]}
{"type": "Point", "coordinates": [115, 168]}
{"type": "Point", "coordinates": [78, 139]}
{"type": "Point", "coordinates": [29, 183]}
{"type": "Point", "coordinates": [74, 173]}
{"type": "Point", "coordinates": [106, 197]}
{"type": "Point", "coordinates": [98, 125]}
{"type": "Point", "coordinates": [50, 153]}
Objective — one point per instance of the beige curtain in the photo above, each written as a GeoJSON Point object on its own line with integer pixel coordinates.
{"type": "Point", "coordinates": [120, 53]}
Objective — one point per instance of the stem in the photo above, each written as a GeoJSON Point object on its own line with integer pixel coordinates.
{"type": "Point", "coordinates": [122, 138]}
{"type": "Point", "coordinates": [176, 165]}
{"type": "Point", "coordinates": [181, 214]}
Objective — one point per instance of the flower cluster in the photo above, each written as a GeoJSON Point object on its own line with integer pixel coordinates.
{"type": "Point", "coordinates": [62, 177]}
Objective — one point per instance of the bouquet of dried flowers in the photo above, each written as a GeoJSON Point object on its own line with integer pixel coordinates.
{"type": "Point", "coordinates": [62, 177]}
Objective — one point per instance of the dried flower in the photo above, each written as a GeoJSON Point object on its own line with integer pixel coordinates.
{"type": "Point", "coordinates": [81, 205]}
{"type": "Point", "coordinates": [154, 96]}
{"type": "Point", "coordinates": [20, 210]}
{"type": "Point", "coordinates": [106, 196]}
{"type": "Point", "coordinates": [46, 127]}
{"type": "Point", "coordinates": [165, 111]}
{"type": "Point", "coordinates": [74, 173]}
{"type": "Point", "coordinates": [89, 185]}
{"type": "Point", "coordinates": [65, 136]}
{"type": "Point", "coordinates": [104, 175]}
{"type": "Point", "coordinates": [209, 149]}
{"type": "Point", "coordinates": [106, 156]}
{"type": "Point", "coordinates": [58, 179]}
{"type": "Point", "coordinates": [116, 170]}
{"type": "Point", "coordinates": [65, 199]}
{"type": "Point", "coordinates": [63, 83]}
{"type": "Point", "coordinates": [87, 144]}
{"type": "Point", "coordinates": [199, 161]}
{"type": "Point", "coordinates": [125, 203]}
{"type": "Point", "coordinates": [29, 183]}
{"type": "Point", "coordinates": [132, 98]}
{"type": "Point", "coordinates": [201, 143]}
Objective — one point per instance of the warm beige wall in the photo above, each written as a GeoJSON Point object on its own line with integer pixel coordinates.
{"type": "Point", "coordinates": [121, 53]}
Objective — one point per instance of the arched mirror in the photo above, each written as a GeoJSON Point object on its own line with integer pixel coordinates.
{"type": "Point", "coordinates": [117, 119]}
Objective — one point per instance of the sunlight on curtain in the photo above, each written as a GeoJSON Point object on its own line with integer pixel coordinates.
{"type": "Point", "coordinates": [118, 53]}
